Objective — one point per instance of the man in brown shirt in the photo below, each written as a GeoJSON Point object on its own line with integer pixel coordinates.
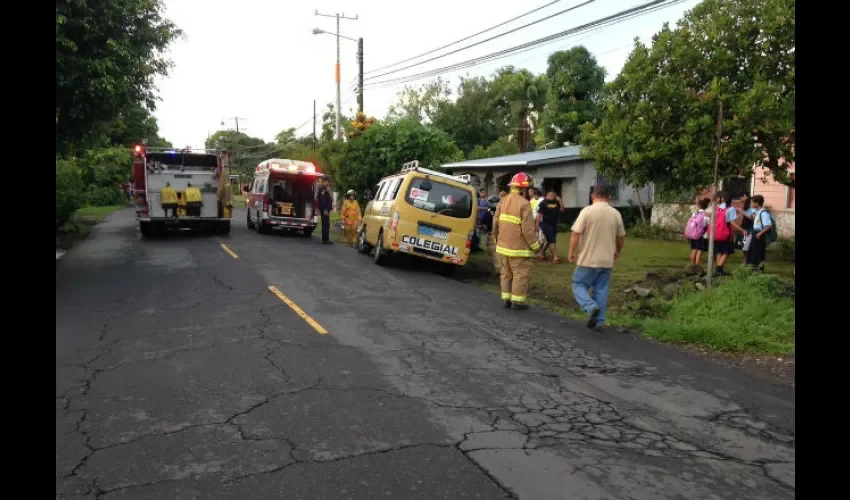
{"type": "Point", "coordinates": [596, 242]}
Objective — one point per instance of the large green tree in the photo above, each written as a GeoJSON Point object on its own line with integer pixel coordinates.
{"type": "Point", "coordinates": [522, 97]}
{"type": "Point", "coordinates": [385, 146]}
{"type": "Point", "coordinates": [420, 104]}
{"type": "Point", "coordinates": [575, 87]}
{"type": "Point", "coordinates": [661, 111]}
{"type": "Point", "coordinates": [473, 120]}
{"type": "Point", "coordinates": [107, 56]}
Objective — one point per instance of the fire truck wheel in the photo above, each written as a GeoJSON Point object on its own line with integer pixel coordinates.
{"type": "Point", "coordinates": [145, 228]}
{"type": "Point", "coordinates": [224, 228]}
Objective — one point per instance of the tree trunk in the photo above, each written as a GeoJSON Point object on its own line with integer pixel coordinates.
{"type": "Point", "coordinates": [640, 206]}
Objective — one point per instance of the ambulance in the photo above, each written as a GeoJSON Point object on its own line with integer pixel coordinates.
{"type": "Point", "coordinates": [283, 197]}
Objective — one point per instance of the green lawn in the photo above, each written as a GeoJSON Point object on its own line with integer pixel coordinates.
{"type": "Point", "coordinates": [96, 213]}
{"type": "Point", "coordinates": [238, 201]}
{"type": "Point", "coordinates": [551, 288]}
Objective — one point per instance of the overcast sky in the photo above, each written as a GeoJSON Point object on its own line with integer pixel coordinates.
{"type": "Point", "coordinates": [258, 59]}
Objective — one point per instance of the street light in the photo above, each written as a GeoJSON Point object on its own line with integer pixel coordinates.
{"type": "Point", "coordinates": [317, 31]}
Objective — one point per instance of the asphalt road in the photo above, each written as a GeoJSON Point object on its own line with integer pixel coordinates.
{"type": "Point", "coordinates": [180, 375]}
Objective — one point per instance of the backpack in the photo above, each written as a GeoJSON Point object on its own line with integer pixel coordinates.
{"type": "Point", "coordinates": [773, 234]}
{"type": "Point", "coordinates": [721, 227]}
{"type": "Point", "coordinates": [696, 226]}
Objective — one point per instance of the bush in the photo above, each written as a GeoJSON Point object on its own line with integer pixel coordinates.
{"type": "Point", "coordinates": [101, 196]}
{"type": "Point", "coordinates": [650, 232]}
{"type": "Point", "coordinates": [786, 249]}
{"type": "Point", "coordinates": [69, 190]}
{"type": "Point", "coordinates": [747, 313]}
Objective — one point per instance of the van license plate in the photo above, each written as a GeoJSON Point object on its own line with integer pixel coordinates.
{"type": "Point", "coordinates": [436, 233]}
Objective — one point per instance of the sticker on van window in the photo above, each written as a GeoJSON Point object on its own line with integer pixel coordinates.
{"type": "Point", "coordinates": [427, 205]}
{"type": "Point", "coordinates": [418, 194]}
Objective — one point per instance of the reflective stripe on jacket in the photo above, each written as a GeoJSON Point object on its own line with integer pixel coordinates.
{"type": "Point", "coordinates": [513, 227]}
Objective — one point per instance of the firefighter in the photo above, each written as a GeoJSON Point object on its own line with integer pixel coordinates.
{"type": "Point", "coordinates": [516, 242]}
{"type": "Point", "coordinates": [193, 200]}
{"type": "Point", "coordinates": [168, 198]}
{"type": "Point", "coordinates": [350, 216]}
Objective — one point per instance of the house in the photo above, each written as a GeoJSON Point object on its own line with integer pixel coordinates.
{"type": "Point", "coordinates": [779, 198]}
{"type": "Point", "coordinates": [560, 169]}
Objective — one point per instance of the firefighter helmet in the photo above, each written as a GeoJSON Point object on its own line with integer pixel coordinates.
{"type": "Point", "coordinates": [350, 192]}
{"type": "Point", "coordinates": [520, 180]}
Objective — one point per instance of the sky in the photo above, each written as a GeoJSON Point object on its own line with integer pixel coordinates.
{"type": "Point", "coordinates": [259, 61]}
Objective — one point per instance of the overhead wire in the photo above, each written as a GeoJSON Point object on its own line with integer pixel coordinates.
{"type": "Point", "coordinates": [491, 28]}
{"type": "Point", "coordinates": [550, 16]}
{"type": "Point", "coordinates": [597, 24]}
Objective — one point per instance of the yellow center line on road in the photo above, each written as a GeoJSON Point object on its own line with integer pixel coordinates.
{"type": "Point", "coordinates": [229, 251]}
{"type": "Point", "coordinates": [310, 321]}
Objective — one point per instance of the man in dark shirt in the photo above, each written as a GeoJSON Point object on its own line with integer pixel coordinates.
{"type": "Point", "coordinates": [326, 204]}
{"type": "Point", "coordinates": [548, 213]}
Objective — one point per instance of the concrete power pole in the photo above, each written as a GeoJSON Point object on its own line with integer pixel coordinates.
{"type": "Point", "coordinates": [338, 16]}
{"type": "Point", "coordinates": [360, 75]}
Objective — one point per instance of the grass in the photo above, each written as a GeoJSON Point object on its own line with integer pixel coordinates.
{"type": "Point", "coordinates": [238, 201]}
{"type": "Point", "coordinates": [551, 289]}
{"type": "Point", "coordinates": [80, 224]}
{"type": "Point", "coordinates": [749, 314]}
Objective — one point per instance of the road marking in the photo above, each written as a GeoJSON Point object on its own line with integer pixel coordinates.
{"type": "Point", "coordinates": [231, 252]}
{"type": "Point", "coordinates": [310, 321]}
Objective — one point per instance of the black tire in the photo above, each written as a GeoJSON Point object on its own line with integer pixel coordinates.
{"type": "Point", "coordinates": [248, 217]}
{"type": "Point", "coordinates": [262, 228]}
{"type": "Point", "coordinates": [224, 228]}
{"type": "Point", "coordinates": [380, 257]}
{"type": "Point", "coordinates": [308, 232]}
{"type": "Point", "coordinates": [363, 245]}
{"type": "Point", "coordinates": [145, 228]}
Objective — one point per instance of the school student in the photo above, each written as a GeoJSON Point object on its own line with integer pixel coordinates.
{"type": "Point", "coordinates": [696, 231]}
{"type": "Point", "coordinates": [762, 222]}
{"type": "Point", "coordinates": [725, 225]}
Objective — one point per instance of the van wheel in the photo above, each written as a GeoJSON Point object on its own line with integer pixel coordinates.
{"type": "Point", "coordinates": [261, 228]}
{"type": "Point", "coordinates": [307, 232]}
{"type": "Point", "coordinates": [362, 244]}
{"type": "Point", "coordinates": [380, 256]}
{"type": "Point", "coordinates": [446, 270]}
{"type": "Point", "coordinates": [250, 224]}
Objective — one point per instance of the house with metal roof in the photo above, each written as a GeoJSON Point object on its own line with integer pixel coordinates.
{"type": "Point", "coordinates": [560, 169]}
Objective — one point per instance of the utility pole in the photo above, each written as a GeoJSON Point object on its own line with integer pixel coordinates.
{"type": "Point", "coordinates": [338, 16]}
{"type": "Point", "coordinates": [360, 75]}
{"type": "Point", "coordinates": [714, 195]}
{"type": "Point", "coordinates": [314, 124]}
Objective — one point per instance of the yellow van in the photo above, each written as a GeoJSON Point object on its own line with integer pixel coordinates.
{"type": "Point", "coordinates": [420, 212]}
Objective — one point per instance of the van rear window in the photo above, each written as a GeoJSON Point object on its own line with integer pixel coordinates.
{"type": "Point", "coordinates": [439, 198]}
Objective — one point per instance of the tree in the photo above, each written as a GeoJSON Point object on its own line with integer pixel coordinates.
{"type": "Point", "coordinates": [660, 112]}
{"type": "Point", "coordinates": [246, 152]}
{"type": "Point", "coordinates": [385, 146]}
{"type": "Point", "coordinates": [575, 86]}
{"type": "Point", "coordinates": [132, 125]}
{"type": "Point", "coordinates": [107, 55]}
{"type": "Point", "coordinates": [329, 123]}
{"type": "Point", "coordinates": [422, 104]}
{"type": "Point", "coordinates": [360, 124]}
{"type": "Point", "coordinates": [522, 97]}
{"type": "Point", "coordinates": [502, 147]}
{"type": "Point", "coordinates": [473, 120]}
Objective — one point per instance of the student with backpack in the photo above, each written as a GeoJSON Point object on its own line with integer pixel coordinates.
{"type": "Point", "coordinates": [761, 235]}
{"type": "Point", "coordinates": [725, 221]}
{"type": "Point", "coordinates": [696, 230]}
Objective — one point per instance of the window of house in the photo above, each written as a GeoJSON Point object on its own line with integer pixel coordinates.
{"type": "Point", "coordinates": [613, 186]}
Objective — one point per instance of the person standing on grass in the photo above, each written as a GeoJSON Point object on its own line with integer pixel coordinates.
{"type": "Point", "coordinates": [595, 244]}
{"type": "Point", "coordinates": [762, 222]}
{"type": "Point", "coordinates": [548, 214]}
{"type": "Point", "coordinates": [326, 204]}
{"type": "Point", "coordinates": [696, 231]}
{"type": "Point", "coordinates": [747, 214]}
{"type": "Point", "coordinates": [725, 226]}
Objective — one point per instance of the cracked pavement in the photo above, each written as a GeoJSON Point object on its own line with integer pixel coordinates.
{"type": "Point", "coordinates": [180, 376]}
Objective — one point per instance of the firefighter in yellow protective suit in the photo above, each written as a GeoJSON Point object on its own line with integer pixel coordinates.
{"type": "Point", "coordinates": [516, 242]}
{"type": "Point", "coordinates": [350, 217]}
{"type": "Point", "coordinates": [194, 200]}
{"type": "Point", "coordinates": [181, 205]}
{"type": "Point", "coordinates": [168, 199]}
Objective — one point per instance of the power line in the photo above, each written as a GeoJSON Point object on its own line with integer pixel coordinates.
{"type": "Point", "coordinates": [524, 47]}
{"type": "Point", "coordinates": [491, 28]}
{"type": "Point", "coordinates": [485, 40]}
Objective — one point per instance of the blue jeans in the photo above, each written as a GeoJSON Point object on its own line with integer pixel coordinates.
{"type": "Point", "coordinates": [598, 278]}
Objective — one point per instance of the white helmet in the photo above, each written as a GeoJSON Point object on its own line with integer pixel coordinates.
{"type": "Point", "coordinates": [349, 193]}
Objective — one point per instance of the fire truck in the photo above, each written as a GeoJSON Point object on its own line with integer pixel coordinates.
{"type": "Point", "coordinates": [207, 170]}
